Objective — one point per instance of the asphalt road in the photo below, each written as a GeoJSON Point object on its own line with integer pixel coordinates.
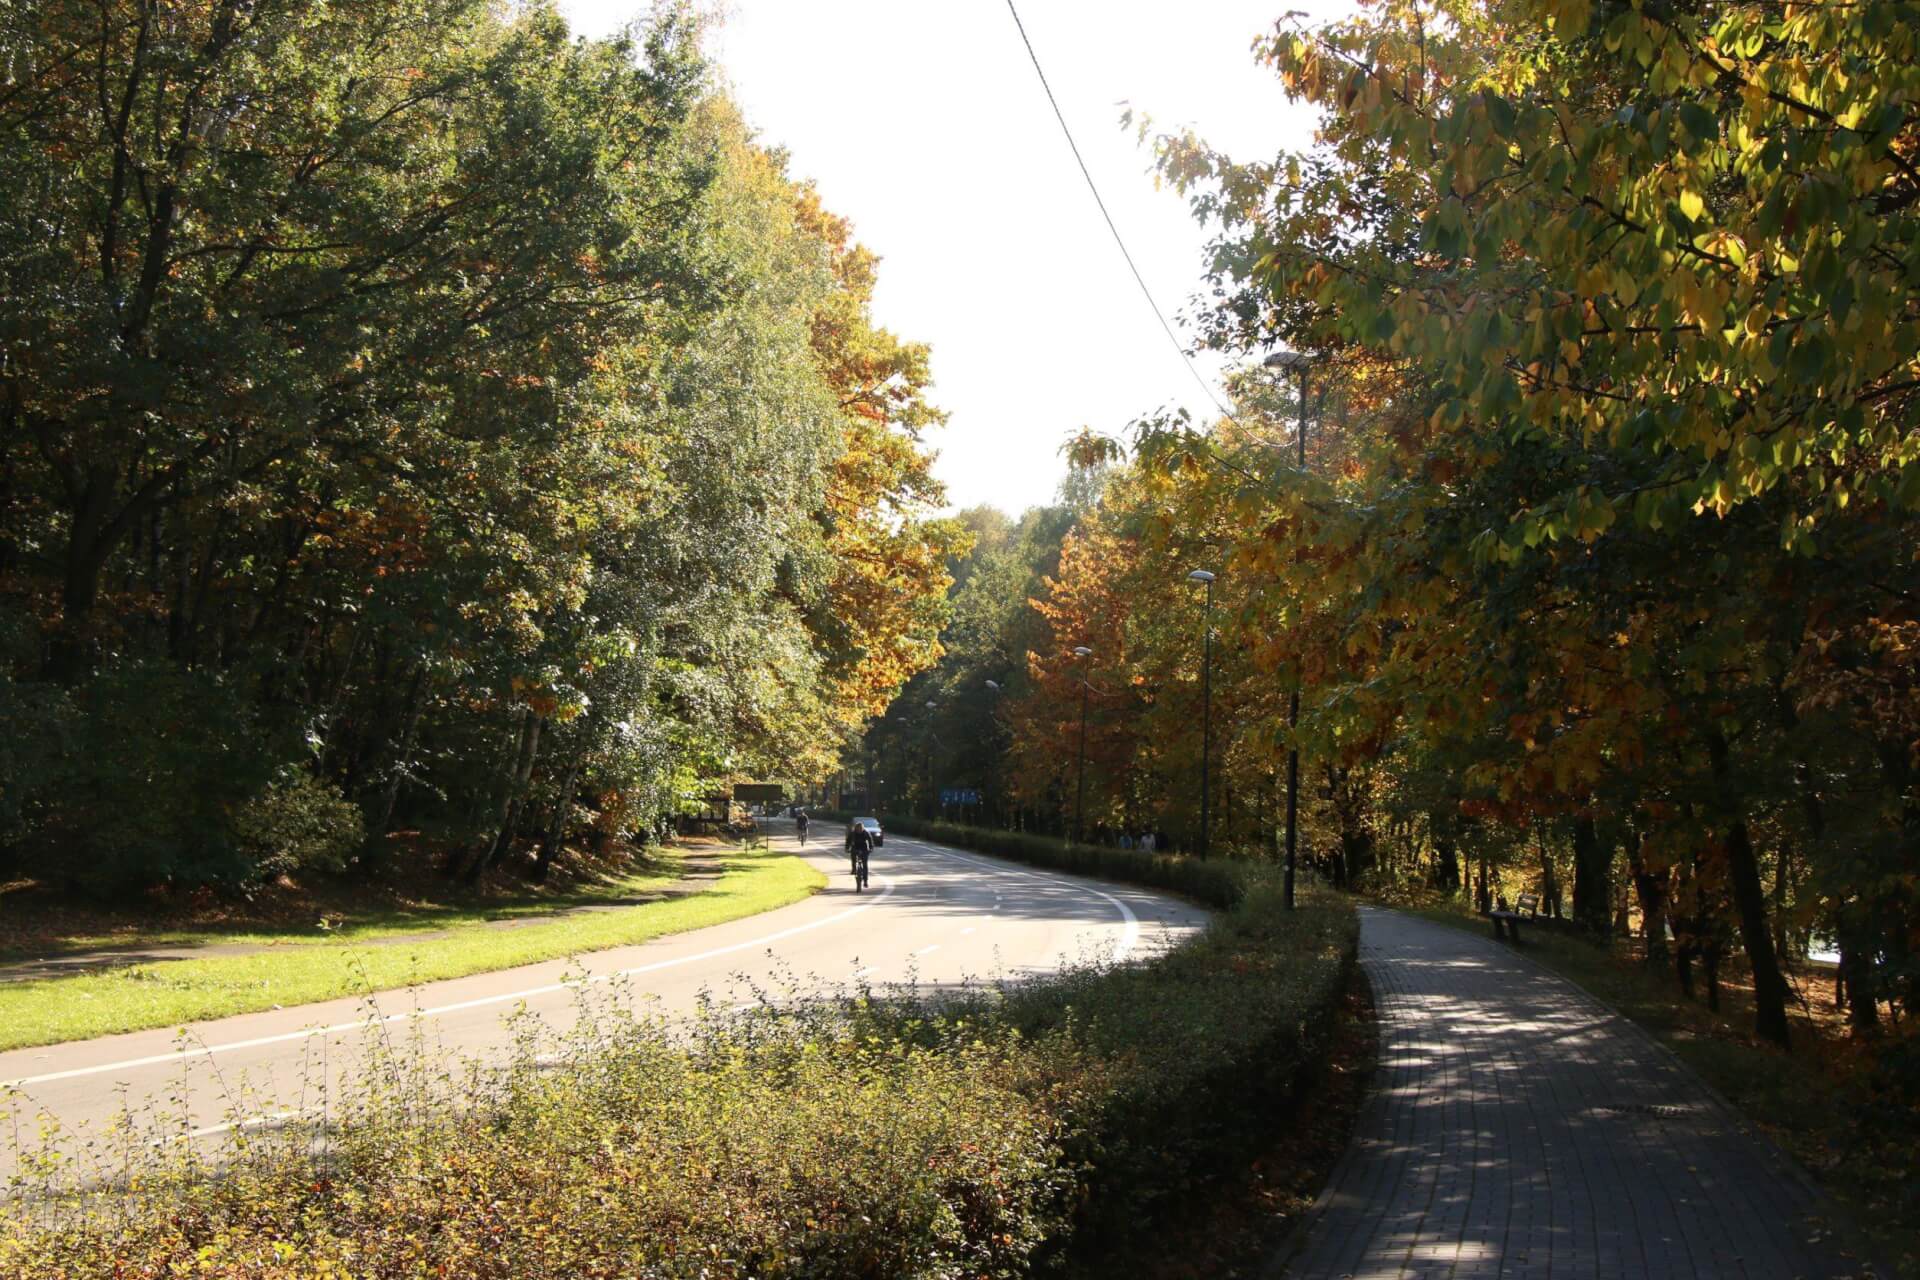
{"type": "Point", "coordinates": [932, 916]}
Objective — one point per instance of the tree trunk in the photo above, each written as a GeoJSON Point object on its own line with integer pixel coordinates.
{"type": "Point", "coordinates": [71, 651]}
{"type": "Point", "coordinates": [1592, 887]}
{"type": "Point", "coordinates": [556, 830]}
{"type": "Point", "coordinates": [1750, 902]}
{"type": "Point", "coordinates": [1652, 890]}
{"type": "Point", "coordinates": [1446, 867]}
{"type": "Point", "coordinates": [1549, 883]}
{"type": "Point", "coordinates": [1856, 975]}
{"type": "Point", "coordinates": [1781, 942]}
{"type": "Point", "coordinates": [515, 800]}
{"type": "Point", "coordinates": [374, 855]}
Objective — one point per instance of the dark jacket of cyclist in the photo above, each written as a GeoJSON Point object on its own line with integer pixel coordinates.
{"type": "Point", "coordinates": [859, 845]}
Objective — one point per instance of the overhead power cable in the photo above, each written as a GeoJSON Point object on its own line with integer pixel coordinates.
{"type": "Point", "coordinates": [1138, 279]}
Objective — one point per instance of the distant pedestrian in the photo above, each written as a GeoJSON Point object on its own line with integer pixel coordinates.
{"type": "Point", "coordinates": [1126, 841]}
{"type": "Point", "coordinates": [1146, 841]}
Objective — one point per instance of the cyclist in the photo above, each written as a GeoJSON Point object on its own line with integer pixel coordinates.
{"type": "Point", "coordinates": [800, 823]}
{"type": "Point", "coordinates": [859, 848]}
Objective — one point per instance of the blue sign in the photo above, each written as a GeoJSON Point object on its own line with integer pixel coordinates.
{"type": "Point", "coordinates": [959, 795]}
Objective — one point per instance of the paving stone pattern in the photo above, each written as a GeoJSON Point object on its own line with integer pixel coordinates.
{"type": "Point", "coordinates": [1520, 1129]}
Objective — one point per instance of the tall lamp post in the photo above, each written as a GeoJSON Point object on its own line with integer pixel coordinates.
{"type": "Point", "coordinates": [1080, 801]}
{"type": "Point", "coordinates": [1300, 362]}
{"type": "Point", "coordinates": [934, 807]}
{"type": "Point", "coordinates": [1206, 715]}
{"type": "Point", "coordinates": [993, 687]}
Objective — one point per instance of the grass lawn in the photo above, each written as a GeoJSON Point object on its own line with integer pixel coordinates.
{"type": "Point", "coordinates": [1816, 1101]}
{"type": "Point", "coordinates": [311, 965]}
{"type": "Point", "coordinates": [38, 922]}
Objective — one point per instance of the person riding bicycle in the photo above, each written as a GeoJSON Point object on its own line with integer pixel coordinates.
{"type": "Point", "coordinates": [800, 823]}
{"type": "Point", "coordinates": [859, 847]}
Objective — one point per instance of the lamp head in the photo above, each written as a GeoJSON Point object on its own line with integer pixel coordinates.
{"type": "Point", "coordinates": [1290, 360]}
{"type": "Point", "coordinates": [1200, 575]}
{"type": "Point", "coordinates": [1081, 651]}
{"type": "Point", "coordinates": [994, 685]}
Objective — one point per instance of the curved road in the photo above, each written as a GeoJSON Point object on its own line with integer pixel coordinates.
{"type": "Point", "coordinates": [933, 915]}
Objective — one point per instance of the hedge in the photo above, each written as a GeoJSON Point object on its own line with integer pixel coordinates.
{"type": "Point", "coordinates": [1217, 882]}
{"type": "Point", "coordinates": [1046, 1125]}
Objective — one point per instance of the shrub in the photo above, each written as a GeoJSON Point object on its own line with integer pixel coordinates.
{"type": "Point", "coordinates": [37, 729]}
{"type": "Point", "coordinates": [298, 823]}
{"type": "Point", "coordinates": [1218, 882]}
{"type": "Point", "coordinates": [162, 760]}
{"type": "Point", "coordinates": [151, 775]}
{"type": "Point", "coordinates": [1043, 1126]}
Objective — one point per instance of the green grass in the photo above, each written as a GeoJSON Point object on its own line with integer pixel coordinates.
{"type": "Point", "coordinates": [1044, 1128]}
{"type": "Point", "coordinates": [348, 915]}
{"type": "Point", "coordinates": [305, 969]}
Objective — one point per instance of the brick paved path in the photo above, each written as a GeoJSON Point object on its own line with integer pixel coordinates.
{"type": "Point", "coordinates": [1519, 1129]}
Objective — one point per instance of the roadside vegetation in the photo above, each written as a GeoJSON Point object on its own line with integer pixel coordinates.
{"type": "Point", "coordinates": [384, 956]}
{"type": "Point", "coordinates": [1560, 533]}
{"type": "Point", "coordinates": [997, 1132]}
{"type": "Point", "coordinates": [428, 439]}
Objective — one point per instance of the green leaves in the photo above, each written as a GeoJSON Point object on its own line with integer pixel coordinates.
{"type": "Point", "coordinates": [477, 385]}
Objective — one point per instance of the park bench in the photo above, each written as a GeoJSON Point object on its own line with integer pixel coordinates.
{"type": "Point", "coordinates": [1506, 924]}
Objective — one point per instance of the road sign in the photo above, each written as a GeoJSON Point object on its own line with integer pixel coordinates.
{"type": "Point", "coordinates": [959, 795]}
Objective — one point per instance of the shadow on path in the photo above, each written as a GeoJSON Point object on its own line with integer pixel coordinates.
{"type": "Point", "coordinates": [1519, 1128]}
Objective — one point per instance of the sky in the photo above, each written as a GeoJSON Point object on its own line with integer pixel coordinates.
{"type": "Point", "coordinates": [923, 122]}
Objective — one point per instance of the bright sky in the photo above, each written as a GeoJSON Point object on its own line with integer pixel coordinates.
{"type": "Point", "coordinates": [923, 122]}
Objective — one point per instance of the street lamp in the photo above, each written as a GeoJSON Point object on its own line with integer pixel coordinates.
{"type": "Point", "coordinates": [1206, 713]}
{"type": "Point", "coordinates": [933, 806]}
{"type": "Point", "coordinates": [993, 687]}
{"type": "Point", "coordinates": [1080, 802]}
{"type": "Point", "coordinates": [1294, 361]}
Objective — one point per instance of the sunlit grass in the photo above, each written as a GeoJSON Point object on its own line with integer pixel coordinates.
{"type": "Point", "coordinates": [354, 961]}
{"type": "Point", "coordinates": [1043, 1126]}
{"type": "Point", "coordinates": [448, 904]}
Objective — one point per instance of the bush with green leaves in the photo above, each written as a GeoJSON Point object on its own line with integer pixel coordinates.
{"type": "Point", "coordinates": [1218, 882]}
{"type": "Point", "coordinates": [37, 728]}
{"type": "Point", "coordinates": [160, 761]}
{"type": "Point", "coordinates": [298, 823]}
{"type": "Point", "coordinates": [1040, 1127]}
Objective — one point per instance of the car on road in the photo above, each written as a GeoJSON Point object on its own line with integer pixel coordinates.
{"type": "Point", "coordinates": [872, 825]}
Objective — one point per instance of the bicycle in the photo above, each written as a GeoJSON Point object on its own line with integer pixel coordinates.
{"type": "Point", "coordinates": [802, 825]}
{"type": "Point", "coordinates": [860, 871]}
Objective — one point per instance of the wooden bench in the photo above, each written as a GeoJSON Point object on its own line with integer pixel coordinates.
{"type": "Point", "coordinates": [1506, 924]}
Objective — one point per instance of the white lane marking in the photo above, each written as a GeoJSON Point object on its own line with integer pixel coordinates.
{"type": "Point", "coordinates": [207, 1051]}
{"type": "Point", "coordinates": [1129, 934]}
{"type": "Point", "coordinates": [925, 950]}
